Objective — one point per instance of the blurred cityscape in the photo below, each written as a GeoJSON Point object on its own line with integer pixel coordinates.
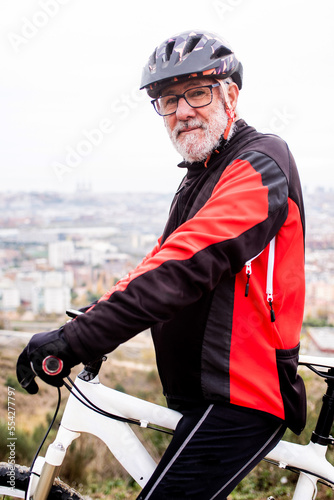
{"type": "Point", "coordinates": [64, 250]}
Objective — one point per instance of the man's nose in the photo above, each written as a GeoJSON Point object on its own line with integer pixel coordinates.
{"type": "Point", "coordinates": [184, 111]}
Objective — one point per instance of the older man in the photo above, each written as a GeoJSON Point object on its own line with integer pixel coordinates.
{"type": "Point", "coordinates": [222, 291]}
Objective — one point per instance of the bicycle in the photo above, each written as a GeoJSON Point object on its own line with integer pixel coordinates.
{"type": "Point", "coordinates": [106, 413]}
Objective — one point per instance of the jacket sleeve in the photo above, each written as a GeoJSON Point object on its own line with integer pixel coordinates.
{"type": "Point", "coordinates": [245, 210]}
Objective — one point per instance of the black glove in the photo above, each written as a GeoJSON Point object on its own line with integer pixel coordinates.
{"type": "Point", "coordinates": [30, 361]}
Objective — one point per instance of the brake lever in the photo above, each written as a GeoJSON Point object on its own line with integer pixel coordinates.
{"type": "Point", "coordinates": [73, 313]}
{"type": "Point", "coordinates": [28, 379]}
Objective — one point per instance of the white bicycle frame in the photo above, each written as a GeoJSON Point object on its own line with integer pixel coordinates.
{"type": "Point", "coordinates": [310, 457]}
{"type": "Point", "coordinates": [128, 450]}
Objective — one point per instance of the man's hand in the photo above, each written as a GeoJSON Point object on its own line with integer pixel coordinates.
{"type": "Point", "coordinates": [30, 361]}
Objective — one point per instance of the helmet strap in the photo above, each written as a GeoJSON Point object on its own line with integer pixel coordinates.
{"type": "Point", "coordinates": [229, 110]}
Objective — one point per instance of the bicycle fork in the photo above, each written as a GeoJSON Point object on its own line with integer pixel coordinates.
{"type": "Point", "coordinates": [45, 482]}
{"type": "Point", "coordinates": [46, 469]}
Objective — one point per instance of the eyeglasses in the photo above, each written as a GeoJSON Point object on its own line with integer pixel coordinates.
{"type": "Point", "coordinates": [196, 97]}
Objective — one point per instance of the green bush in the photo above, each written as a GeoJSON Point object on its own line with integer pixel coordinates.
{"type": "Point", "coordinates": [26, 444]}
{"type": "Point", "coordinates": [11, 381]}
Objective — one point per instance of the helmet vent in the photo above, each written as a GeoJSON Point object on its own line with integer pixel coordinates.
{"type": "Point", "coordinates": [221, 52]}
{"type": "Point", "coordinates": [191, 44]}
{"type": "Point", "coordinates": [169, 50]}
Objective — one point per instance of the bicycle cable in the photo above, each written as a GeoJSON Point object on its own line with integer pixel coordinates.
{"type": "Point", "coordinates": [298, 470]}
{"type": "Point", "coordinates": [95, 408]}
{"type": "Point", "coordinates": [45, 435]}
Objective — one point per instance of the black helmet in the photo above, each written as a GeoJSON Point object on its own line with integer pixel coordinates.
{"type": "Point", "coordinates": [190, 54]}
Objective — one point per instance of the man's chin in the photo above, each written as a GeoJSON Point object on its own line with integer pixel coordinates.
{"type": "Point", "coordinates": [190, 154]}
{"type": "Point", "coordinates": [193, 158]}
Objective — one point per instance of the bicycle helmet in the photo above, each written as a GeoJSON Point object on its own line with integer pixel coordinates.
{"type": "Point", "coordinates": [191, 54]}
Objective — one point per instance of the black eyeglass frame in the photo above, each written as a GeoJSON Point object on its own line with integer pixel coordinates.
{"type": "Point", "coordinates": [179, 96]}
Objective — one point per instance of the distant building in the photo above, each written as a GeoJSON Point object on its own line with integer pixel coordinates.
{"type": "Point", "coordinates": [60, 252]}
{"type": "Point", "coordinates": [322, 338]}
{"type": "Point", "coordinates": [9, 295]}
{"type": "Point", "coordinates": [51, 300]}
{"type": "Point", "coordinates": [46, 291]}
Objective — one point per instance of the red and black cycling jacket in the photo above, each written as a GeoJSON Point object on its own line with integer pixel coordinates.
{"type": "Point", "coordinates": [236, 227]}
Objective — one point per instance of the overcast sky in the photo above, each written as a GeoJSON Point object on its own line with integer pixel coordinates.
{"type": "Point", "coordinates": [71, 111]}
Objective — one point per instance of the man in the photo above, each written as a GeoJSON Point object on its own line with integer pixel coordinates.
{"type": "Point", "coordinates": [222, 291]}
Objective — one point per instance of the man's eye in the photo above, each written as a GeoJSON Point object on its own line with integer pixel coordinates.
{"type": "Point", "coordinates": [170, 100]}
{"type": "Point", "coordinates": [196, 93]}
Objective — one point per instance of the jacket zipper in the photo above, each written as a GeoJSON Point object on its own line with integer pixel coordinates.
{"type": "Point", "coordinates": [249, 271]}
{"type": "Point", "coordinates": [270, 276]}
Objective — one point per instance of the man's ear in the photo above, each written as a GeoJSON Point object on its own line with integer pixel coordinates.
{"type": "Point", "coordinates": [233, 94]}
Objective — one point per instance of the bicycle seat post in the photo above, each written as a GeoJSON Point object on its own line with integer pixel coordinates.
{"type": "Point", "coordinates": [321, 434]}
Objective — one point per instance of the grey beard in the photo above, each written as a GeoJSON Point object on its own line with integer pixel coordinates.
{"type": "Point", "coordinates": [189, 147]}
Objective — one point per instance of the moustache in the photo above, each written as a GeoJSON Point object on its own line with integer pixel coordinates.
{"type": "Point", "coordinates": [183, 126]}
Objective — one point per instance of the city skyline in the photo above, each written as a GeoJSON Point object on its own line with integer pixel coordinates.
{"type": "Point", "coordinates": [45, 236]}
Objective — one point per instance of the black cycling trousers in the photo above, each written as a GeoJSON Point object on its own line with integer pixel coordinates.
{"type": "Point", "coordinates": [212, 449]}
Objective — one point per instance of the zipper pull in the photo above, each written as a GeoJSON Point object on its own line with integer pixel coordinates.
{"type": "Point", "coordinates": [272, 312]}
{"type": "Point", "coordinates": [248, 274]}
{"type": "Point", "coordinates": [247, 285]}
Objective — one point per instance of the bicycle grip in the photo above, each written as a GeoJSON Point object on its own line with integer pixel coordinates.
{"type": "Point", "coordinates": [52, 365]}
